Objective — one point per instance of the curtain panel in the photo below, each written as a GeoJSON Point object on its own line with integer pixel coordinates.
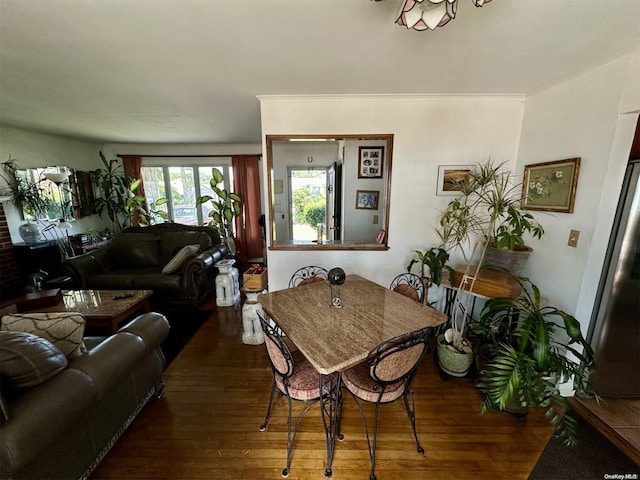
{"type": "Point", "coordinates": [246, 183]}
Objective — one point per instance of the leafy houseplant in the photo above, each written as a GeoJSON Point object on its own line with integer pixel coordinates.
{"type": "Point", "coordinates": [523, 356]}
{"type": "Point", "coordinates": [435, 259]}
{"type": "Point", "coordinates": [225, 208]}
{"type": "Point", "coordinates": [29, 197]}
{"type": "Point", "coordinates": [119, 199]}
{"type": "Point", "coordinates": [488, 208]}
{"type": "Point", "coordinates": [487, 214]}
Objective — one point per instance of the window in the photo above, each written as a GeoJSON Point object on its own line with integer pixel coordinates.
{"type": "Point", "coordinates": [182, 180]}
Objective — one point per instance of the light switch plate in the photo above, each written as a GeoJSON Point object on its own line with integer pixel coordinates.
{"type": "Point", "coordinates": [574, 236]}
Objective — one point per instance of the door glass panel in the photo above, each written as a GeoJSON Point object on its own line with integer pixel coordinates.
{"type": "Point", "coordinates": [308, 203]}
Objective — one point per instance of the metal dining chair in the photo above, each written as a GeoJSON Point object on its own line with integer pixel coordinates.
{"type": "Point", "coordinates": [410, 285]}
{"type": "Point", "coordinates": [308, 274]}
{"type": "Point", "coordinates": [386, 376]}
{"type": "Point", "coordinates": [295, 378]}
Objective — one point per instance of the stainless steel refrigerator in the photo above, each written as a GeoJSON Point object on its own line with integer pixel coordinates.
{"type": "Point", "coordinates": [615, 335]}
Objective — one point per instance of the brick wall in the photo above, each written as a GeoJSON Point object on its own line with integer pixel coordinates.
{"type": "Point", "coordinates": [10, 280]}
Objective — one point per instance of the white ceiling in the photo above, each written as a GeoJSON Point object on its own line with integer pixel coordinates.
{"type": "Point", "coordinates": [189, 71]}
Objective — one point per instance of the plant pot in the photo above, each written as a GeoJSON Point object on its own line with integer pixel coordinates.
{"type": "Point", "coordinates": [451, 361]}
{"type": "Point", "coordinates": [514, 261]}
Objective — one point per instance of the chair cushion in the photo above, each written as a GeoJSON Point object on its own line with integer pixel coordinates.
{"type": "Point", "coordinates": [407, 291]}
{"type": "Point", "coordinates": [304, 383]}
{"type": "Point", "coordinates": [135, 249]}
{"type": "Point", "coordinates": [359, 382]}
{"type": "Point", "coordinates": [64, 329]}
{"type": "Point", "coordinates": [179, 259]}
{"type": "Point", "coordinates": [27, 360]}
{"type": "Point", "coordinates": [309, 280]}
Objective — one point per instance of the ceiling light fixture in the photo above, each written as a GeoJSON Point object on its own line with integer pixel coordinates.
{"type": "Point", "coordinates": [429, 14]}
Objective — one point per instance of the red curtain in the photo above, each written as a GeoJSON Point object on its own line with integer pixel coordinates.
{"type": "Point", "coordinates": [133, 166]}
{"type": "Point", "coordinates": [246, 183]}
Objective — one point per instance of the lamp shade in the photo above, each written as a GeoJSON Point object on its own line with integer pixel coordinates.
{"type": "Point", "coordinates": [429, 14]}
{"type": "Point", "coordinates": [56, 177]}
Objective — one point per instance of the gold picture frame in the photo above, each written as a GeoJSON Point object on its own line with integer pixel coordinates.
{"type": "Point", "coordinates": [367, 199]}
{"type": "Point", "coordinates": [550, 186]}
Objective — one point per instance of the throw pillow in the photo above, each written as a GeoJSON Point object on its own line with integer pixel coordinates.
{"type": "Point", "coordinates": [64, 329]}
{"type": "Point", "coordinates": [180, 258]}
{"type": "Point", "coordinates": [27, 360]}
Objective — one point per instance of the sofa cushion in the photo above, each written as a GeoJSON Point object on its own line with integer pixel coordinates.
{"type": "Point", "coordinates": [179, 259]}
{"type": "Point", "coordinates": [27, 360]}
{"type": "Point", "coordinates": [111, 280]}
{"type": "Point", "coordinates": [135, 250]}
{"type": "Point", "coordinates": [172, 242]}
{"type": "Point", "coordinates": [64, 329]}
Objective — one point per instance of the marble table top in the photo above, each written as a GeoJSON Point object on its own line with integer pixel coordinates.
{"type": "Point", "coordinates": [334, 339]}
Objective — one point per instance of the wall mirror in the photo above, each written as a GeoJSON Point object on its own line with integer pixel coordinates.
{"type": "Point", "coordinates": [65, 194]}
{"type": "Point", "coordinates": [329, 191]}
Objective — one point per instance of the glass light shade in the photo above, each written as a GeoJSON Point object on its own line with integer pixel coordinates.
{"type": "Point", "coordinates": [429, 14]}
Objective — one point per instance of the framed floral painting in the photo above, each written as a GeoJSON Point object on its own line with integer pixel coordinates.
{"type": "Point", "coordinates": [550, 186]}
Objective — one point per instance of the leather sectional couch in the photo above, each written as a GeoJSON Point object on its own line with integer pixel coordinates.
{"type": "Point", "coordinates": [62, 427]}
{"type": "Point", "coordinates": [136, 258]}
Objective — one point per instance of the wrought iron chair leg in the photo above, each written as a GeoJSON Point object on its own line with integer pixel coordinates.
{"type": "Point", "coordinates": [412, 416]}
{"type": "Point", "coordinates": [263, 427]}
{"type": "Point", "coordinates": [291, 436]}
{"type": "Point", "coordinates": [372, 451]}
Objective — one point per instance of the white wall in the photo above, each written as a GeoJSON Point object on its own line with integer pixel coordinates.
{"type": "Point", "coordinates": [31, 150]}
{"type": "Point", "coordinates": [429, 131]}
{"type": "Point", "coordinates": [592, 117]}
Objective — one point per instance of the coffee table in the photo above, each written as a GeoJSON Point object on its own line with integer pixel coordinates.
{"type": "Point", "coordinates": [103, 308]}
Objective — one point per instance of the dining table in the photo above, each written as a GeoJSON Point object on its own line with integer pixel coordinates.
{"type": "Point", "coordinates": [335, 336]}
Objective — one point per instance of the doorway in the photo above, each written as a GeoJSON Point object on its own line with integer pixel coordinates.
{"type": "Point", "coordinates": [308, 188]}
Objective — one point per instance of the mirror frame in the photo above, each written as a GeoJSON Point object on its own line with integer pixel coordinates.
{"type": "Point", "coordinates": [384, 245]}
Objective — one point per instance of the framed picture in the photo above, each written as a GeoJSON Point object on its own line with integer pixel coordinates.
{"type": "Point", "coordinates": [370, 161]}
{"type": "Point", "coordinates": [452, 177]}
{"type": "Point", "coordinates": [367, 199]}
{"type": "Point", "coordinates": [550, 186]}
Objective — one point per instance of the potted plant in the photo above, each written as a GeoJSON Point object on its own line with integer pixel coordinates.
{"type": "Point", "coordinates": [119, 199]}
{"type": "Point", "coordinates": [488, 209]}
{"type": "Point", "coordinates": [523, 348]}
{"type": "Point", "coordinates": [225, 207]}
{"type": "Point", "coordinates": [486, 216]}
{"type": "Point", "coordinates": [435, 259]}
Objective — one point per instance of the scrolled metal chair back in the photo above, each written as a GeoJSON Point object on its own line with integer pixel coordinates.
{"type": "Point", "coordinates": [308, 274]}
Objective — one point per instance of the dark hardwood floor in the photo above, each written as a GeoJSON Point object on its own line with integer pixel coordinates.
{"type": "Point", "coordinates": [206, 425]}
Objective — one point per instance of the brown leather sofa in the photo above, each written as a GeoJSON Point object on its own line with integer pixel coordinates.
{"type": "Point", "coordinates": [135, 259]}
{"type": "Point", "coordinates": [62, 428]}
